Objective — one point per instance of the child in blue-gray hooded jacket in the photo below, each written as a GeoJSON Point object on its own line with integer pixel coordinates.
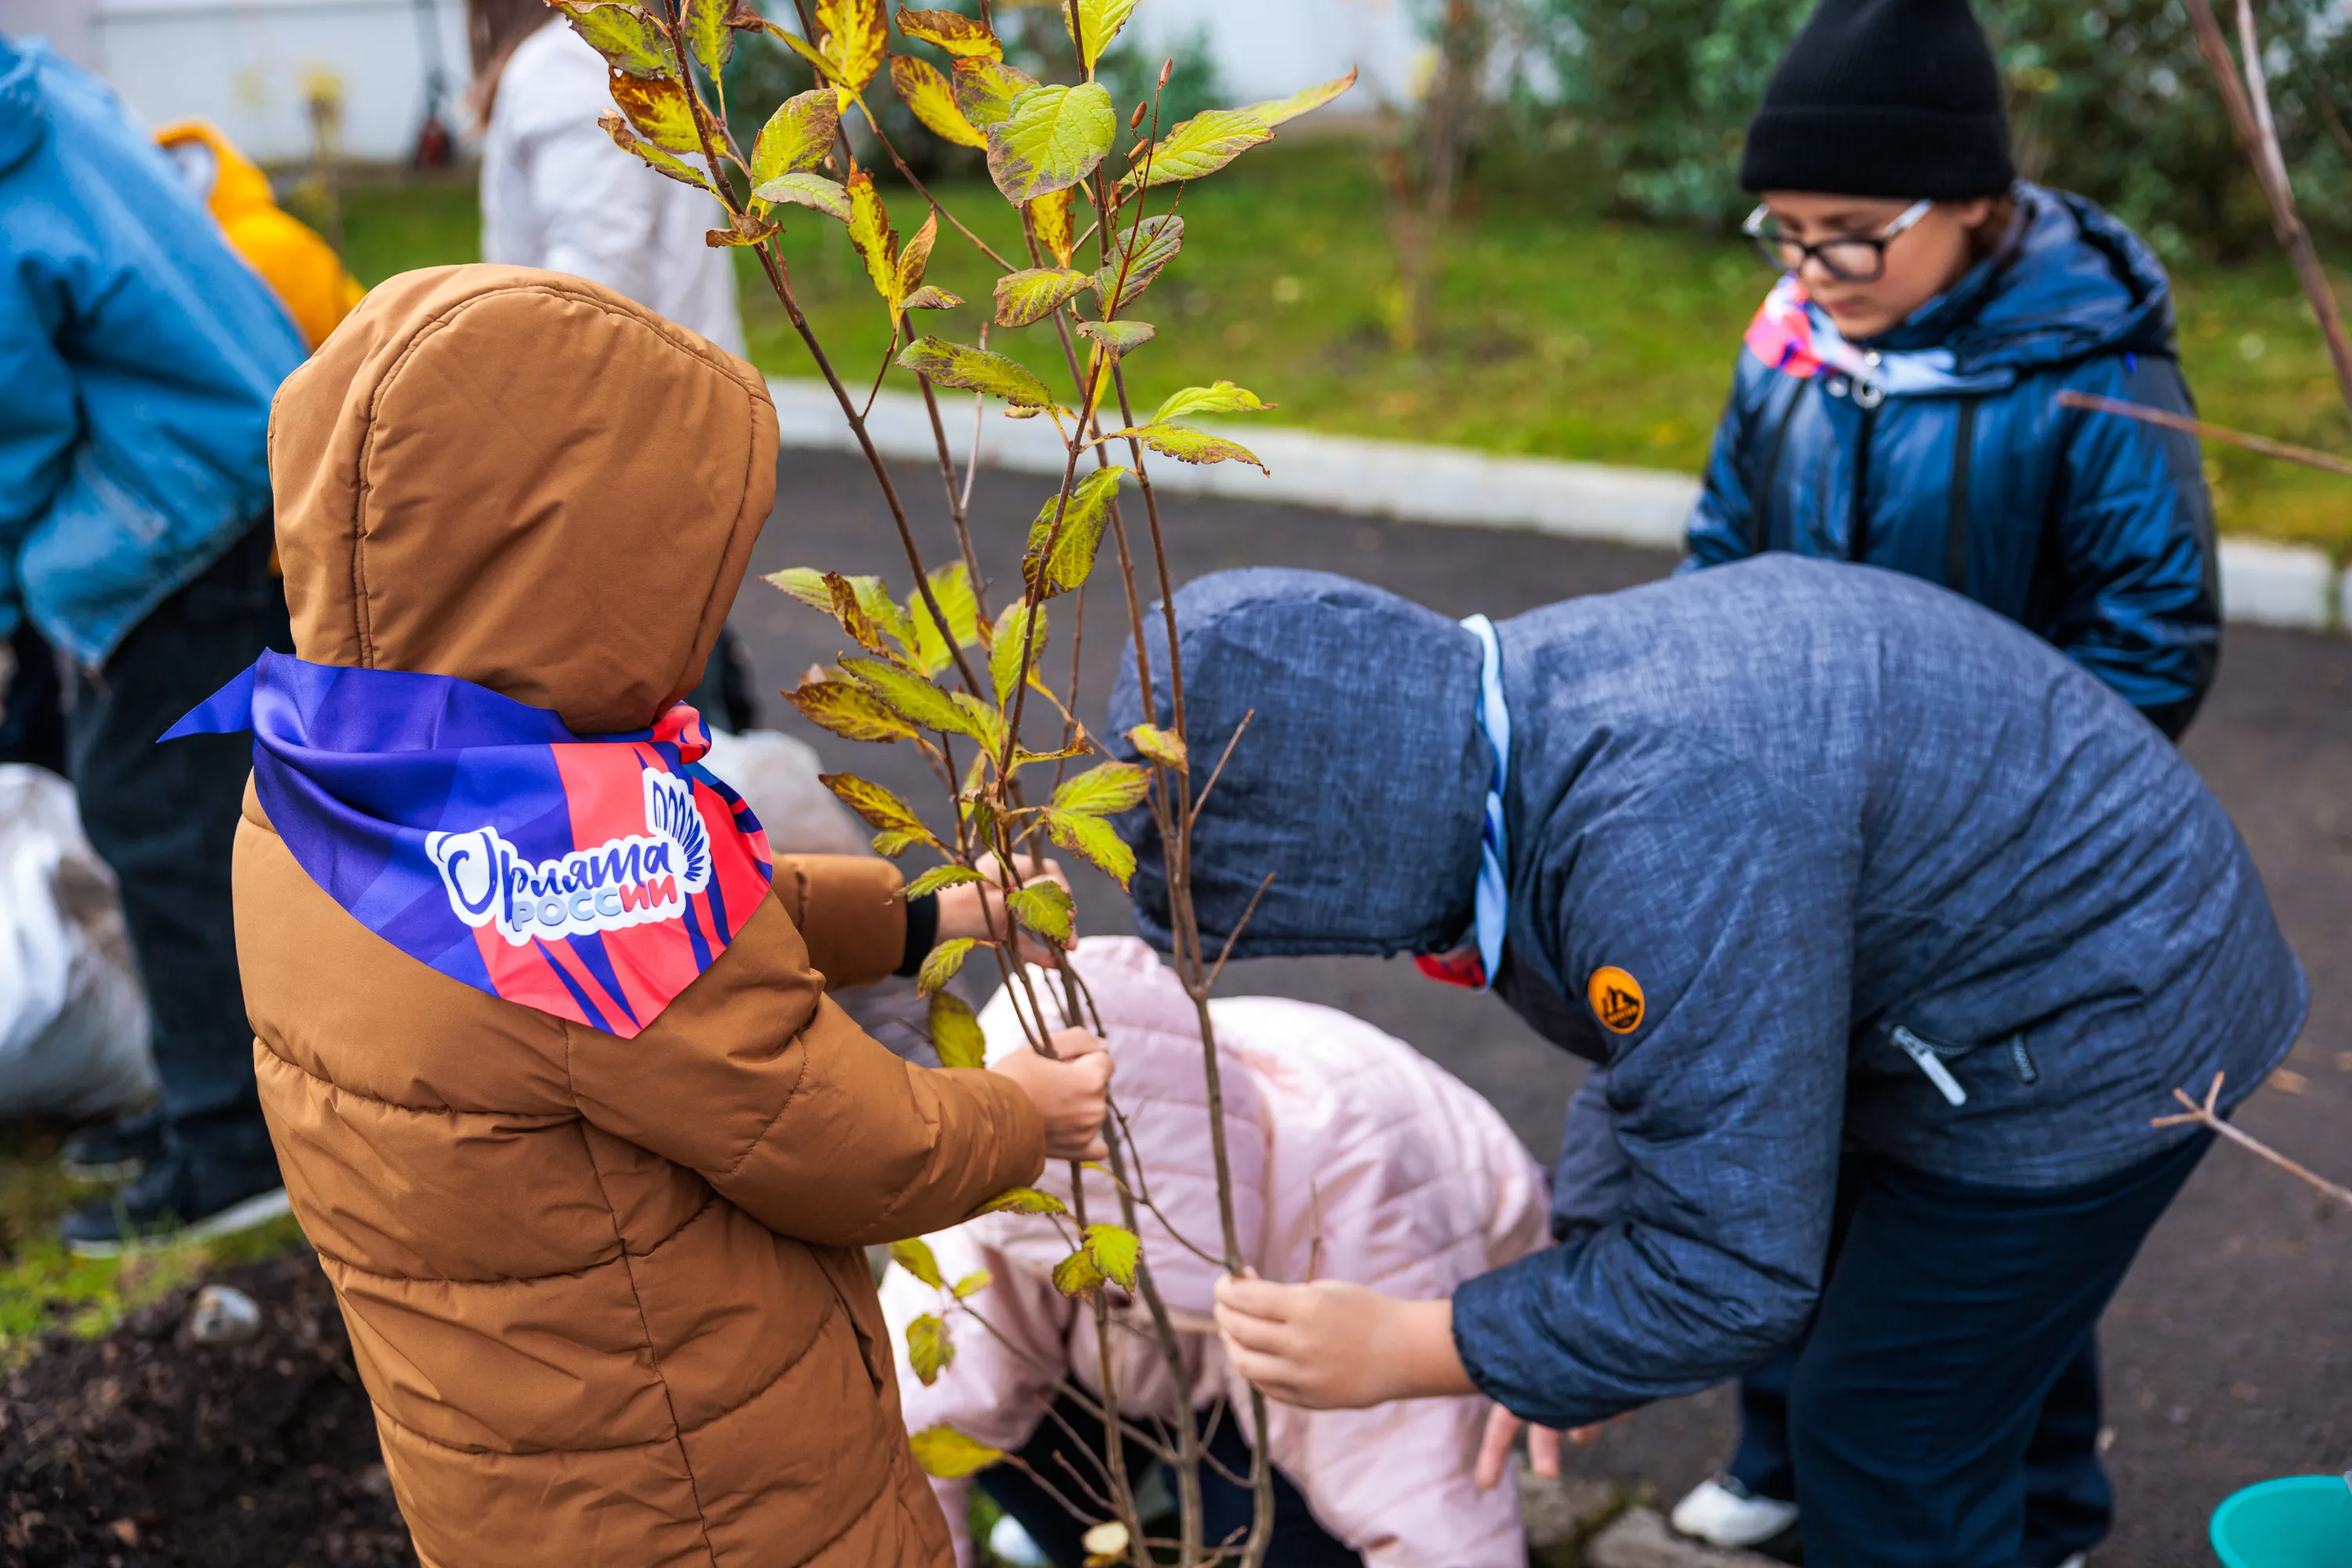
{"type": "Point", "coordinates": [1892, 928]}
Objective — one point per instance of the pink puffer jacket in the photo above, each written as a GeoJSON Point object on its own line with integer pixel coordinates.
{"type": "Point", "coordinates": [1354, 1158]}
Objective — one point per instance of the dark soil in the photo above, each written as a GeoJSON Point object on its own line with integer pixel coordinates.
{"type": "Point", "coordinates": [146, 1448]}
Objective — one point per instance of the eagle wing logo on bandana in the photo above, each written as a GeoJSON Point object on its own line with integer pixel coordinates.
{"type": "Point", "coordinates": [619, 883]}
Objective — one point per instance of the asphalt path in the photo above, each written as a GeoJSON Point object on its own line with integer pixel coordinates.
{"type": "Point", "coordinates": [2228, 1353]}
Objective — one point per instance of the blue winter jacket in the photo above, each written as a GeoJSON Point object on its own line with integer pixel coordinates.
{"type": "Point", "coordinates": [2093, 533]}
{"type": "Point", "coordinates": [138, 356]}
{"type": "Point", "coordinates": [1823, 821]}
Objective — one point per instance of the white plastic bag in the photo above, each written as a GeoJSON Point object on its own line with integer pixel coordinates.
{"type": "Point", "coordinates": [73, 1024]}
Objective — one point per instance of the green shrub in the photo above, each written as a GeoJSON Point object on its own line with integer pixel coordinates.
{"type": "Point", "coordinates": [2109, 98]}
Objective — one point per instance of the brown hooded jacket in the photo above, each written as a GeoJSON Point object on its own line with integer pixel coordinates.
{"type": "Point", "coordinates": [605, 1294]}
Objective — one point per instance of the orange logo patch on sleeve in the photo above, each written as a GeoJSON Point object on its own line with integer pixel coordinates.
{"type": "Point", "coordinates": [1616, 999]}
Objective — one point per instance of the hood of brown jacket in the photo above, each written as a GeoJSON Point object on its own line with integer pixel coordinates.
{"type": "Point", "coordinates": [522, 480]}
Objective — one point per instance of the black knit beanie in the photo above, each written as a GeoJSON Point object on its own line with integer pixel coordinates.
{"type": "Point", "coordinates": [1883, 98]}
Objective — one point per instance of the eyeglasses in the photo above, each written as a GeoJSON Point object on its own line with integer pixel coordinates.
{"type": "Point", "coordinates": [1850, 257]}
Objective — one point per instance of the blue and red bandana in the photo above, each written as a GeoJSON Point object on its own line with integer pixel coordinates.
{"type": "Point", "coordinates": [593, 877]}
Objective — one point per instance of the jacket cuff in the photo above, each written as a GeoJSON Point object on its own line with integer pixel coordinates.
{"type": "Point", "coordinates": [922, 933]}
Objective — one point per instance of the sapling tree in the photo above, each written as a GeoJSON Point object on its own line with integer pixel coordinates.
{"type": "Point", "coordinates": [956, 668]}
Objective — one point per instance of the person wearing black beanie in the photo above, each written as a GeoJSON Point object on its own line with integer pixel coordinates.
{"type": "Point", "coordinates": [1896, 405]}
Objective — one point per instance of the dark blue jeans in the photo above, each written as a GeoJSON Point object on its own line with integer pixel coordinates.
{"type": "Point", "coordinates": [1297, 1543]}
{"type": "Point", "coordinates": [1943, 1409]}
{"type": "Point", "coordinates": [164, 817]}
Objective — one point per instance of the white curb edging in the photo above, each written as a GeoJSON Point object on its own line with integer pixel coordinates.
{"type": "Point", "coordinates": [2261, 584]}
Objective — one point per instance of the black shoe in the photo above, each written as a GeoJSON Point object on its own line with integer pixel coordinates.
{"type": "Point", "coordinates": [182, 1197]}
{"type": "Point", "coordinates": [116, 1151]}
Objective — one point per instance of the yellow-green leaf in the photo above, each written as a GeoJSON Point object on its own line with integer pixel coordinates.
{"type": "Point", "coordinates": [1099, 24]}
{"type": "Point", "coordinates": [1274, 111]}
{"type": "Point", "coordinates": [1035, 293]}
{"type": "Point", "coordinates": [1154, 243]}
{"type": "Point", "coordinates": [855, 39]}
{"type": "Point", "coordinates": [976, 370]}
{"type": "Point", "coordinates": [669, 164]}
{"type": "Point", "coordinates": [1044, 908]}
{"type": "Point", "coordinates": [742, 228]}
{"type": "Point", "coordinates": [899, 828]}
{"type": "Point", "coordinates": [951, 587]}
{"type": "Point", "coordinates": [931, 98]}
{"type": "Point", "coordinates": [848, 711]}
{"type": "Point", "coordinates": [1103, 790]}
{"type": "Point", "coordinates": [1224, 398]}
{"type": "Point", "coordinates": [944, 1452]}
{"type": "Point", "coordinates": [931, 298]}
{"type": "Point", "coordinates": [815, 191]}
{"type": "Point", "coordinates": [848, 599]}
{"type": "Point", "coordinates": [939, 877]}
{"type": "Point", "coordinates": [1092, 837]}
{"type": "Point", "coordinates": [1020, 1200]}
{"type": "Point", "coordinates": [971, 1285]}
{"type": "Point", "coordinates": [1050, 139]}
{"type": "Point", "coordinates": [1163, 746]}
{"type": "Point", "coordinates": [910, 696]}
{"type": "Point", "coordinates": [1014, 641]}
{"type": "Point", "coordinates": [1190, 446]}
{"type": "Point", "coordinates": [940, 964]}
{"type": "Point", "coordinates": [1078, 1274]}
{"type": "Point", "coordinates": [929, 1348]}
{"type": "Point", "coordinates": [1049, 220]}
{"type": "Point", "coordinates": [955, 1032]}
{"type": "Point", "coordinates": [1115, 1252]}
{"type": "Point", "coordinates": [959, 35]}
{"type": "Point", "coordinates": [1202, 145]}
{"type": "Point", "coordinates": [986, 88]}
{"type": "Point", "coordinates": [914, 1255]}
{"type": "Point", "coordinates": [1118, 338]}
{"type": "Point", "coordinates": [706, 33]}
{"type": "Point", "coordinates": [661, 107]}
{"type": "Point", "coordinates": [795, 140]}
{"type": "Point", "coordinates": [1061, 560]}
{"type": "Point", "coordinates": [870, 232]}
{"type": "Point", "coordinates": [815, 56]}
{"type": "Point", "coordinates": [916, 258]}
{"type": "Point", "coordinates": [622, 35]}
{"type": "Point", "coordinates": [987, 724]}
{"type": "Point", "coordinates": [806, 584]}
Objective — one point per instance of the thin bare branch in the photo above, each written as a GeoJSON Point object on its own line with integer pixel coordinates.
{"type": "Point", "coordinates": [2170, 421]}
{"type": "Point", "coordinates": [2205, 1115]}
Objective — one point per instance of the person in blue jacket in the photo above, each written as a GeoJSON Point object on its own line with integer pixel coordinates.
{"type": "Point", "coordinates": [1897, 398]}
{"type": "Point", "coordinates": [1892, 927]}
{"type": "Point", "coordinates": [138, 357]}
{"type": "Point", "coordinates": [1897, 403]}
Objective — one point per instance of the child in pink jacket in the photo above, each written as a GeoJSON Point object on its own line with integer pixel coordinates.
{"type": "Point", "coordinates": [1354, 1158]}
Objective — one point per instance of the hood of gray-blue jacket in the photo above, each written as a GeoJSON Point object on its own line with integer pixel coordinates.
{"type": "Point", "coordinates": [1358, 786]}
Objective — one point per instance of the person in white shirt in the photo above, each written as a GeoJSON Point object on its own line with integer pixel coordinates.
{"type": "Point", "coordinates": [556, 192]}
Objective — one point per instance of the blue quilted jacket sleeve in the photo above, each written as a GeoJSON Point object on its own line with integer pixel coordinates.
{"type": "Point", "coordinates": [1723, 524]}
{"type": "Point", "coordinates": [1727, 1096]}
{"type": "Point", "coordinates": [2137, 600]}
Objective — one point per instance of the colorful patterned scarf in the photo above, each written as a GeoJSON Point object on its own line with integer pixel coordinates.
{"type": "Point", "coordinates": [1795, 338]}
{"type": "Point", "coordinates": [593, 877]}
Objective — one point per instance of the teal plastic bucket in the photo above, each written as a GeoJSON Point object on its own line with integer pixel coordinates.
{"type": "Point", "coordinates": [2300, 1521]}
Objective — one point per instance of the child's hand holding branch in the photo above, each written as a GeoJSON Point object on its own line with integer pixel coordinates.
{"type": "Point", "coordinates": [1070, 1089]}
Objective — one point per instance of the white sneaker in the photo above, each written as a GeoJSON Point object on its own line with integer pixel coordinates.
{"type": "Point", "coordinates": [1011, 1546]}
{"type": "Point", "coordinates": [1722, 1512]}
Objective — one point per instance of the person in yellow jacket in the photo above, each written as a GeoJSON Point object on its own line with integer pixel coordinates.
{"type": "Point", "coordinates": [304, 270]}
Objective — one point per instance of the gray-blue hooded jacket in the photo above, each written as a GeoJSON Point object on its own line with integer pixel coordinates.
{"type": "Point", "coordinates": [1819, 821]}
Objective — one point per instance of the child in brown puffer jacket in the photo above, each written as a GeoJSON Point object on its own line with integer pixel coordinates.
{"type": "Point", "coordinates": [592, 1202]}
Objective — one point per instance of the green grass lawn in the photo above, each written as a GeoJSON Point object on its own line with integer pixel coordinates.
{"type": "Point", "coordinates": [1563, 337]}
